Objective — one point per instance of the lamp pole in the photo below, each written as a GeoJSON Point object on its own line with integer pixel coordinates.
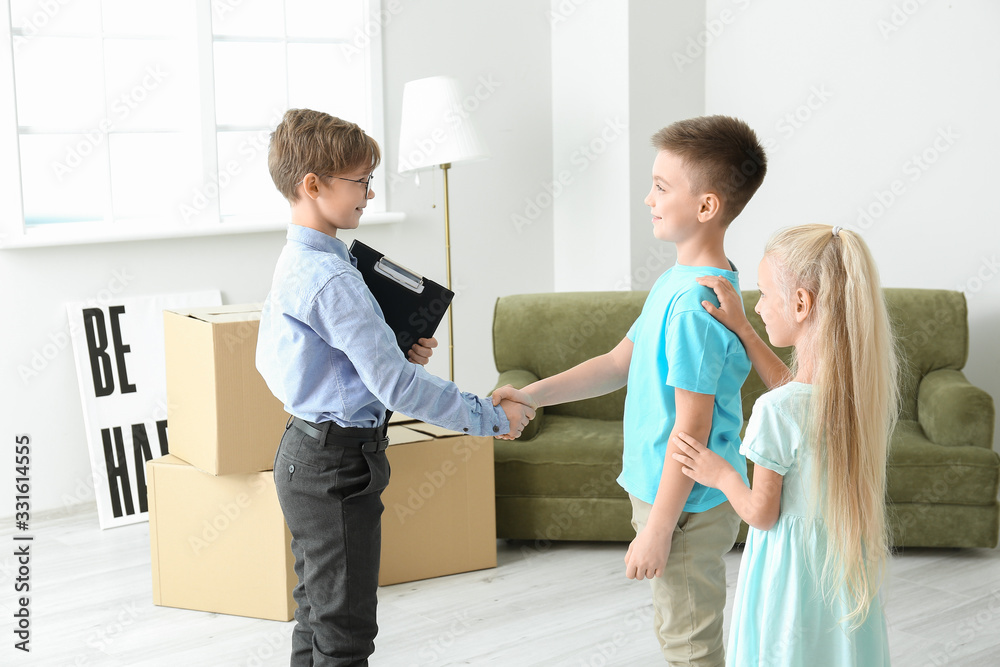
{"type": "Point", "coordinates": [447, 255]}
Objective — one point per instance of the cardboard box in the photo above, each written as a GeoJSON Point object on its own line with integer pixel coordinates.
{"type": "Point", "coordinates": [221, 416]}
{"type": "Point", "coordinates": [218, 544]}
{"type": "Point", "coordinates": [440, 510]}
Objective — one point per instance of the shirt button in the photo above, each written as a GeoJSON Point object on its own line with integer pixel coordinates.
{"type": "Point", "coordinates": [466, 429]}
{"type": "Point", "coordinates": [291, 468]}
{"type": "Point", "coordinates": [496, 429]}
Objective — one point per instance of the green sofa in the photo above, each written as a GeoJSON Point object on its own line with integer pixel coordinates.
{"type": "Point", "coordinates": [557, 482]}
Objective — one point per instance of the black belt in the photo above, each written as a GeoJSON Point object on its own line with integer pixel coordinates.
{"type": "Point", "coordinates": [368, 439]}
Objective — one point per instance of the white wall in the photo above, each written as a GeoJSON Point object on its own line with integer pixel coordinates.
{"type": "Point", "coordinates": [500, 55]}
{"type": "Point", "coordinates": [614, 84]}
{"type": "Point", "coordinates": [506, 46]}
{"type": "Point", "coordinates": [858, 98]}
{"type": "Point", "coordinates": [663, 89]}
{"type": "Point", "coordinates": [590, 145]}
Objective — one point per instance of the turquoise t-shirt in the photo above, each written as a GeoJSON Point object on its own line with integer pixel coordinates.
{"type": "Point", "coordinates": [677, 344]}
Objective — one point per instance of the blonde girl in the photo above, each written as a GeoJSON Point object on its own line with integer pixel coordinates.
{"type": "Point", "coordinates": [808, 590]}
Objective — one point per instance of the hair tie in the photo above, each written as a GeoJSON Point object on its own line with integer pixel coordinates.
{"type": "Point", "coordinates": [836, 231]}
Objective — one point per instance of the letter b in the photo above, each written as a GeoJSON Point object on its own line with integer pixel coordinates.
{"type": "Point", "coordinates": [97, 344]}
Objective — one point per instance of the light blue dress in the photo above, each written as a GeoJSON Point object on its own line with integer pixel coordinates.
{"type": "Point", "coordinates": [780, 617]}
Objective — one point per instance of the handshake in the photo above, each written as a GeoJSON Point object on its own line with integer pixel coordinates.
{"type": "Point", "coordinates": [518, 406]}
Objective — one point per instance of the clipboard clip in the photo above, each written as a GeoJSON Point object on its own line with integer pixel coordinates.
{"type": "Point", "coordinates": [400, 274]}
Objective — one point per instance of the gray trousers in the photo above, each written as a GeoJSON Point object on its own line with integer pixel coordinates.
{"type": "Point", "coordinates": [330, 496]}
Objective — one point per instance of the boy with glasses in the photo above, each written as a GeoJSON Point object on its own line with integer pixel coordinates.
{"type": "Point", "coordinates": [325, 351]}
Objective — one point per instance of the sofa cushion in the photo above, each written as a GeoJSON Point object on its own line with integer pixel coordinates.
{"type": "Point", "coordinates": [921, 472]}
{"type": "Point", "coordinates": [570, 457]}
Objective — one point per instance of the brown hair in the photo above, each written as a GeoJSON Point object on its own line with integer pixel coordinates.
{"type": "Point", "coordinates": [855, 399]}
{"type": "Point", "coordinates": [722, 155]}
{"type": "Point", "coordinates": [308, 141]}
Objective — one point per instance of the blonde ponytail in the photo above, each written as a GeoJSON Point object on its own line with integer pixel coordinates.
{"type": "Point", "coordinates": [854, 404]}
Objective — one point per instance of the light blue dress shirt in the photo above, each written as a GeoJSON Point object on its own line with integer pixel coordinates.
{"type": "Point", "coordinates": [325, 350]}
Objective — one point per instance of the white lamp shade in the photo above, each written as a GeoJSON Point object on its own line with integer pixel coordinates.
{"type": "Point", "coordinates": [435, 129]}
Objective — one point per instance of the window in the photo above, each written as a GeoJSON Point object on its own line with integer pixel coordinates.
{"type": "Point", "coordinates": [133, 119]}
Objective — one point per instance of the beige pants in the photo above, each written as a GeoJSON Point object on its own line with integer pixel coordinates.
{"type": "Point", "coordinates": [690, 596]}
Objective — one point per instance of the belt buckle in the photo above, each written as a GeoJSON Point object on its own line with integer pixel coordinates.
{"type": "Point", "coordinates": [375, 445]}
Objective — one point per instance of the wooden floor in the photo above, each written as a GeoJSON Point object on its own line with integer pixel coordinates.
{"type": "Point", "coordinates": [568, 604]}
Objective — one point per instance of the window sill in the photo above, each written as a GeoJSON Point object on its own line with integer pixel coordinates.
{"type": "Point", "coordinates": [90, 233]}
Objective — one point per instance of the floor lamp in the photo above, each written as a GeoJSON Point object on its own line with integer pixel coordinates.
{"type": "Point", "coordinates": [436, 131]}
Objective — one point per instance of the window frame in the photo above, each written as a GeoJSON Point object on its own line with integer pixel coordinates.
{"type": "Point", "coordinates": [14, 233]}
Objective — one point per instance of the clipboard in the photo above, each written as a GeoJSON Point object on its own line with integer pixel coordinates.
{"type": "Point", "coordinates": [413, 306]}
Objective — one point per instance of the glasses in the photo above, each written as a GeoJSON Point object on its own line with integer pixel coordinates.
{"type": "Point", "coordinates": [365, 182]}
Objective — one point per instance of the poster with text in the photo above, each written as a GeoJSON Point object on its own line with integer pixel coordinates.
{"type": "Point", "coordinates": [118, 346]}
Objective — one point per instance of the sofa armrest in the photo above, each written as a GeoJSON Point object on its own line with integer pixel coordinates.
{"type": "Point", "coordinates": [951, 411]}
{"type": "Point", "coordinates": [519, 379]}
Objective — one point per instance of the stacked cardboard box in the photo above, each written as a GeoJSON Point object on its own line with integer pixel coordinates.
{"type": "Point", "coordinates": [219, 542]}
{"type": "Point", "coordinates": [440, 505]}
{"type": "Point", "coordinates": [222, 417]}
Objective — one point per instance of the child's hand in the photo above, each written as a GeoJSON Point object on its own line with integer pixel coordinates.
{"type": "Point", "coordinates": [518, 414]}
{"type": "Point", "coordinates": [422, 350]}
{"type": "Point", "coordinates": [730, 310]}
{"type": "Point", "coordinates": [511, 394]}
{"type": "Point", "coordinates": [647, 554]}
{"type": "Point", "coordinates": [699, 462]}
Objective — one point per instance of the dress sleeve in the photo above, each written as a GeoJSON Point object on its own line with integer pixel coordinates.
{"type": "Point", "coordinates": [769, 440]}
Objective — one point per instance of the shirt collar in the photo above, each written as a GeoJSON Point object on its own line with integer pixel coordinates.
{"type": "Point", "coordinates": [319, 241]}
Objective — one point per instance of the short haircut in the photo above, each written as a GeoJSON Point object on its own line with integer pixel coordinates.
{"type": "Point", "coordinates": [722, 155]}
{"type": "Point", "coordinates": [308, 141]}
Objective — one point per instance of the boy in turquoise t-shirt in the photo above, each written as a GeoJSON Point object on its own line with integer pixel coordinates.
{"type": "Point", "coordinates": [674, 345]}
{"type": "Point", "coordinates": [684, 371]}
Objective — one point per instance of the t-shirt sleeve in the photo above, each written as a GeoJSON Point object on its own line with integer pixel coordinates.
{"type": "Point", "coordinates": [769, 441]}
{"type": "Point", "coordinates": [631, 331]}
{"type": "Point", "coordinates": [697, 345]}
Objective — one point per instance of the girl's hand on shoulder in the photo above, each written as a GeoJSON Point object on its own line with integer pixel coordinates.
{"type": "Point", "coordinates": [730, 309]}
{"type": "Point", "coordinates": [699, 462]}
